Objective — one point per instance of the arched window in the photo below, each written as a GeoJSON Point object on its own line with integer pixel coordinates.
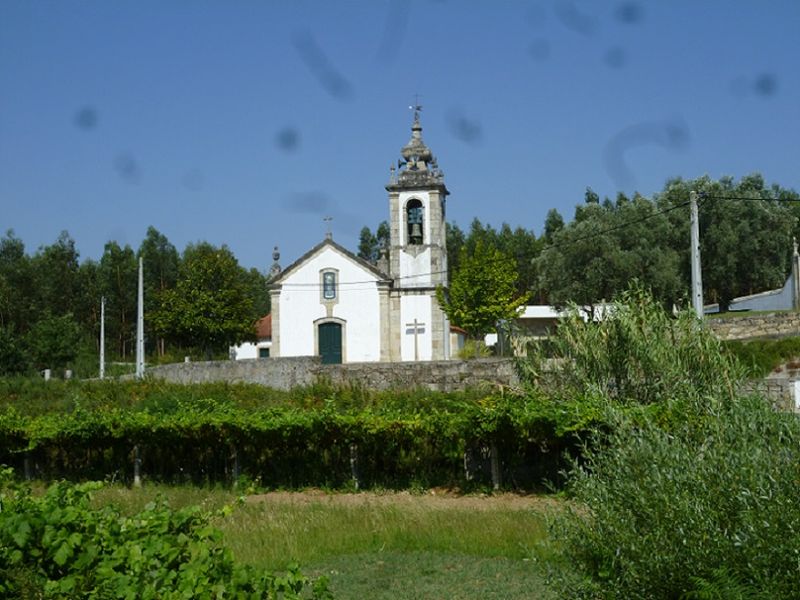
{"type": "Point", "coordinates": [329, 285]}
{"type": "Point", "coordinates": [414, 221]}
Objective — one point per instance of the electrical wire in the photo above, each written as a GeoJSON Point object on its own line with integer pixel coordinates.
{"type": "Point", "coordinates": [706, 196]}
{"type": "Point", "coordinates": [703, 196]}
{"type": "Point", "coordinates": [618, 227]}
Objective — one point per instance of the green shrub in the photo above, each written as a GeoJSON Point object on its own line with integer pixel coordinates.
{"type": "Point", "coordinates": [668, 508]}
{"type": "Point", "coordinates": [58, 546]}
{"type": "Point", "coordinates": [474, 349]}
{"type": "Point", "coordinates": [760, 357]}
{"type": "Point", "coordinates": [689, 488]}
{"type": "Point", "coordinates": [638, 354]}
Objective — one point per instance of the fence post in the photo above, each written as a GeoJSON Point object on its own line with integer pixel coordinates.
{"type": "Point", "coordinates": [137, 467]}
{"type": "Point", "coordinates": [497, 476]}
{"type": "Point", "coordinates": [354, 466]}
{"type": "Point", "coordinates": [236, 467]}
{"type": "Point", "coordinates": [26, 466]}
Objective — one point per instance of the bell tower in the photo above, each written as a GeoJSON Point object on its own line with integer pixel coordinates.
{"type": "Point", "coordinates": [418, 251]}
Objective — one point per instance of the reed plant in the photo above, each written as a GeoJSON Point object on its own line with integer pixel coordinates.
{"type": "Point", "coordinates": [690, 487]}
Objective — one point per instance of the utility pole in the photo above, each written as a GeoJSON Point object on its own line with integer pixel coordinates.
{"type": "Point", "coordinates": [102, 337]}
{"type": "Point", "coordinates": [140, 325]}
{"type": "Point", "coordinates": [697, 276]}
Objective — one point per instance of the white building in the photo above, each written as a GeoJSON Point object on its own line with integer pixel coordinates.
{"type": "Point", "coordinates": [261, 348]}
{"type": "Point", "coordinates": [785, 298]}
{"type": "Point", "coordinates": [333, 304]}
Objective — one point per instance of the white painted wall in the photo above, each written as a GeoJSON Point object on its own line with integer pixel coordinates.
{"type": "Point", "coordinates": [358, 305]}
{"type": "Point", "coordinates": [416, 270]}
{"type": "Point", "coordinates": [248, 350]}
{"type": "Point", "coordinates": [418, 307]}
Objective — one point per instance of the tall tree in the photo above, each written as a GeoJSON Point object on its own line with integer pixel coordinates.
{"type": "Point", "coordinates": [367, 245]}
{"type": "Point", "coordinates": [483, 291]}
{"type": "Point", "coordinates": [17, 289]}
{"type": "Point", "coordinates": [553, 223]}
{"type": "Point", "coordinates": [371, 244]}
{"type": "Point", "coordinates": [455, 240]}
{"type": "Point", "coordinates": [257, 288]}
{"type": "Point", "coordinates": [607, 246]}
{"type": "Point", "coordinates": [745, 235]}
{"type": "Point", "coordinates": [523, 246]}
{"type": "Point", "coordinates": [160, 264]}
{"type": "Point", "coordinates": [210, 307]}
{"type": "Point", "coordinates": [55, 269]}
{"type": "Point", "coordinates": [118, 275]}
{"type": "Point", "coordinates": [53, 341]}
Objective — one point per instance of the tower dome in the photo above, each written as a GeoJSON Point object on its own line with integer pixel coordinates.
{"type": "Point", "coordinates": [418, 166]}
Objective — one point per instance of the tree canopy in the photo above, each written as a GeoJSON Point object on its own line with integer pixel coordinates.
{"type": "Point", "coordinates": [483, 291]}
{"type": "Point", "coordinates": [211, 305]}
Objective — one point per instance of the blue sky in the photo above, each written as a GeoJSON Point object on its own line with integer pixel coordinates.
{"type": "Point", "coordinates": [246, 123]}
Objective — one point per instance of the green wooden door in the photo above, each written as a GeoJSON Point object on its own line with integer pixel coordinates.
{"type": "Point", "coordinates": [330, 343]}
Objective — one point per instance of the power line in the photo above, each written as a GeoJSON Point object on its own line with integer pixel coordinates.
{"type": "Point", "coordinates": [318, 286]}
{"type": "Point", "coordinates": [620, 226]}
{"type": "Point", "coordinates": [705, 196]}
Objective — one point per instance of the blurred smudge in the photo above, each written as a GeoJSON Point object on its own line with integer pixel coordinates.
{"type": "Point", "coordinates": [463, 128]}
{"type": "Point", "coordinates": [394, 30]}
{"type": "Point", "coordinates": [288, 139]}
{"type": "Point", "coordinates": [573, 19]}
{"type": "Point", "coordinates": [616, 57]}
{"type": "Point", "coordinates": [323, 70]}
{"type": "Point", "coordinates": [127, 167]}
{"type": "Point", "coordinates": [86, 118]}
{"type": "Point", "coordinates": [193, 180]}
{"type": "Point", "coordinates": [315, 203]}
{"type": "Point", "coordinates": [670, 134]}
{"type": "Point", "coordinates": [765, 84]}
{"type": "Point", "coordinates": [539, 49]}
{"type": "Point", "coordinates": [629, 13]}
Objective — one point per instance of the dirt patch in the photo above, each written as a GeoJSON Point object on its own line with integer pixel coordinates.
{"type": "Point", "coordinates": [435, 498]}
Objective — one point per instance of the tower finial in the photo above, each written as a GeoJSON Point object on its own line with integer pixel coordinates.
{"type": "Point", "coordinates": [416, 107]}
{"type": "Point", "coordinates": [275, 270]}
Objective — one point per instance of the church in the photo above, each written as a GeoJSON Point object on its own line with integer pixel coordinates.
{"type": "Point", "coordinates": [333, 304]}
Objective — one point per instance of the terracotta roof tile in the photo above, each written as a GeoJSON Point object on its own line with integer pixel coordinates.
{"type": "Point", "coordinates": [264, 327]}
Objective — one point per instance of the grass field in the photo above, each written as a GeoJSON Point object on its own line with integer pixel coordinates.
{"type": "Point", "coordinates": [384, 545]}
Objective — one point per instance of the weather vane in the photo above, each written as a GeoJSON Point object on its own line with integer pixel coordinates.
{"type": "Point", "coordinates": [416, 107]}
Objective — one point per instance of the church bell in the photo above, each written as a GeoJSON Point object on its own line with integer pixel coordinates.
{"type": "Point", "coordinates": [416, 232]}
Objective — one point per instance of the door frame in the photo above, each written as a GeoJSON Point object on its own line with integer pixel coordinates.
{"type": "Point", "coordinates": [337, 321]}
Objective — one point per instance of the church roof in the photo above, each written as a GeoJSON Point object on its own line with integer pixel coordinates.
{"type": "Point", "coordinates": [328, 242]}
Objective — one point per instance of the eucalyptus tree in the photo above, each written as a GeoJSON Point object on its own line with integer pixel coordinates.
{"type": "Point", "coordinates": [160, 265]}
{"type": "Point", "coordinates": [118, 276]}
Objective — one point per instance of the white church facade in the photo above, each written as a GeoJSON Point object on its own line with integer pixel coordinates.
{"type": "Point", "coordinates": [333, 304]}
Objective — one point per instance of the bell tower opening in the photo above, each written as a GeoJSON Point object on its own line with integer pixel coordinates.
{"type": "Point", "coordinates": [415, 220]}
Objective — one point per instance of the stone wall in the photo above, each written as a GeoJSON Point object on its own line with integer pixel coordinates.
{"type": "Point", "coordinates": [285, 373]}
{"type": "Point", "coordinates": [779, 324]}
{"type": "Point", "coordinates": [779, 391]}
{"type": "Point", "coordinates": [444, 375]}
{"type": "Point", "coordinates": [280, 373]}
